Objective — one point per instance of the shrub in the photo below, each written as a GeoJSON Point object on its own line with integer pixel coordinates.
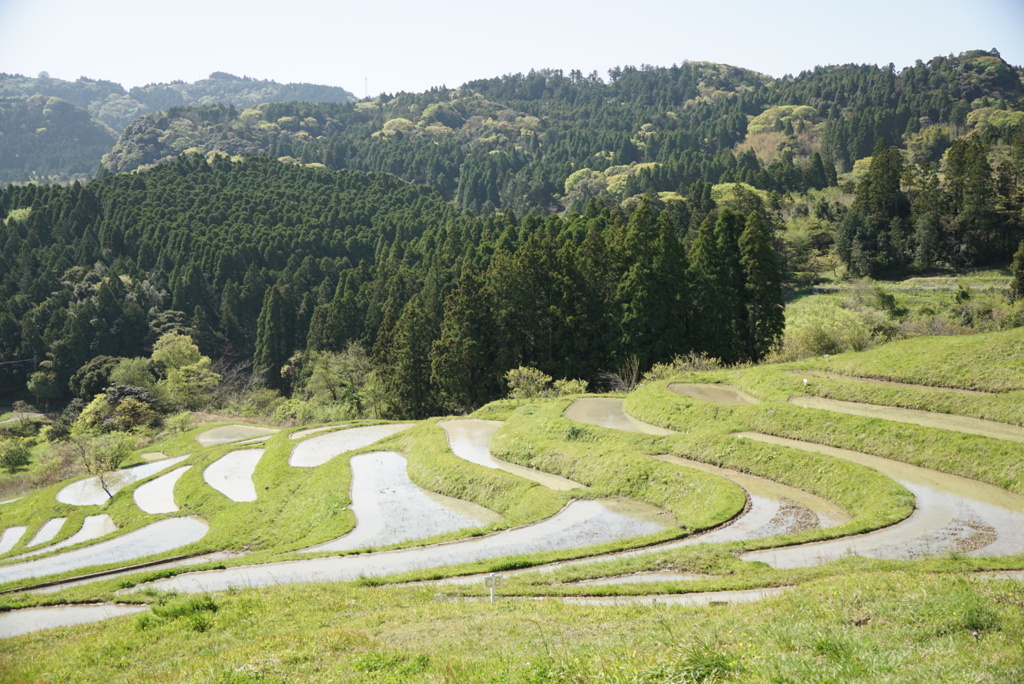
{"type": "Point", "coordinates": [14, 455]}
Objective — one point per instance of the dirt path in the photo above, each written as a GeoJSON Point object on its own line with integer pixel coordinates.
{"type": "Point", "coordinates": [942, 421]}
{"type": "Point", "coordinates": [953, 514]}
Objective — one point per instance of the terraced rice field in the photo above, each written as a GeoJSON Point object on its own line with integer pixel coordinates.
{"type": "Point", "coordinates": [419, 489]}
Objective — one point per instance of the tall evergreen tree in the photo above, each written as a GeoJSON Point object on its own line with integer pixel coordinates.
{"type": "Point", "coordinates": [272, 345]}
{"type": "Point", "coordinates": [762, 288]}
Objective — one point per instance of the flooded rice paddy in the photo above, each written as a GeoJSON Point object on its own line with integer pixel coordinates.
{"type": "Point", "coordinates": [10, 537]}
{"type": "Point", "coordinates": [320, 449]}
{"type": "Point", "coordinates": [157, 496]}
{"type": "Point", "coordinates": [232, 433]}
{"type": "Point", "coordinates": [390, 509]}
{"type": "Point", "coordinates": [91, 492]}
{"type": "Point", "coordinates": [713, 392]}
{"type": "Point", "coordinates": [470, 439]}
{"type": "Point", "coordinates": [93, 527]}
{"type": "Point", "coordinates": [18, 622]}
{"type": "Point", "coordinates": [942, 421]}
{"type": "Point", "coordinates": [159, 537]}
{"type": "Point", "coordinates": [953, 514]}
{"type": "Point", "coordinates": [581, 523]}
{"type": "Point", "coordinates": [708, 598]}
{"type": "Point", "coordinates": [47, 532]}
{"type": "Point", "coordinates": [231, 474]}
{"type": "Point", "coordinates": [608, 412]}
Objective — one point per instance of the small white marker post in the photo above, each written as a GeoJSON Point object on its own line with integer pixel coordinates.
{"type": "Point", "coordinates": [492, 582]}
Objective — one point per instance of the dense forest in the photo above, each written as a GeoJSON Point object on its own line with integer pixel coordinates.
{"type": "Point", "coordinates": [399, 256]}
{"type": "Point", "coordinates": [258, 259]}
{"type": "Point", "coordinates": [58, 130]}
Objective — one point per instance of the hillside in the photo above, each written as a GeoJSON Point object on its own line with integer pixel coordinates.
{"type": "Point", "coordinates": [711, 521]}
{"type": "Point", "coordinates": [82, 119]}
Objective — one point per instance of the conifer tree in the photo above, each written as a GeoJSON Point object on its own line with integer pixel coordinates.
{"type": "Point", "coordinates": [272, 345]}
{"type": "Point", "coordinates": [762, 288]}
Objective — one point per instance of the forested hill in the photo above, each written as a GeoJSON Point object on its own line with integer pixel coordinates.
{"type": "Point", "coordinates": [548, 141]}
{"type": "Point", "coordinates": [259, 260]}
{"type": "Point", "coordinates": [51, 129]}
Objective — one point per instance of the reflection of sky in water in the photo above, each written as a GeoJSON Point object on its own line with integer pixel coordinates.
{"type": "Point", "coordinates": [231, 474]}
{"type": "Point", "coordinates": [318, 450]}
{"type": "Point", "coordinates": [391, 509]}
{"type": "Point", "coordinates": [470, 439]}
{"type": "Point", "coordinates": [581, 523]}
{"type": "Point", "coordinates": [159, 537]}
{"type": "Point", "coordinates": [89, 492]}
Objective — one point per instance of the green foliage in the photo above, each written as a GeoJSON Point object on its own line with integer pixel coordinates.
{"type": "Point", "coordinates": [15, 455]}
{"type": "Point", "coordinates": [526, 383]}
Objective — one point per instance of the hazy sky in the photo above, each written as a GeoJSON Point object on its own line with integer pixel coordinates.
{"type": "Point", "coordinates": [395, 45]}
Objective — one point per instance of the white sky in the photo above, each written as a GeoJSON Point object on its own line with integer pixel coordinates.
{"type": "Point", "coordinates": [399, 45]}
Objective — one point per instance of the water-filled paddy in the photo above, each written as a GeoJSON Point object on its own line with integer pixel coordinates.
{"type": "Point", "coordinates": [157, 496]}
{"type": "Point", "coordinates": [470, 439]}
{"type": "Point", "coordinates": [93, 527]}
{"type": "Point", "coordinates": [320, 449]}
{"type": "Point", "coordinates": [581, 523]}
{"type": "Point", "coordinates": [942, 421]}
{"type": "Point", "coordinates": [713, 392]}
{"type": "Point", "coordinates": [953, 514]}
{"type": "Point", "coordinates": [90, 491]}
{"type": "Point", "coordinates": [159, 537]}
{"type": "Point", "coordinates": [608, 412]}
{"type": "Point", "coordinates": [231, 474]}
{"type": "Point", "coordinates": [390, 509]}
{"type": "Point", "coordinates": [232, 433]}
{"type": "Point", "coordinates": [17, 622]}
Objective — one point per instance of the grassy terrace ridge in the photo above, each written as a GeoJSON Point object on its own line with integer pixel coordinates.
{"type": "Point", "coordinates": [856, 619]}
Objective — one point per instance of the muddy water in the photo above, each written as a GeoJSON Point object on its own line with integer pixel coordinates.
{"type": "Point", "coordinates": [318, 450]}
{"type": "Point", "coordinates": [302, 434]}
{"type": "Point", "coordinates": [942, 421]}
{"type": "Point", "coordinates": [232, 433]}
{"type": "Point", "coordinates": [17, 622]}
{"type": "Point", "coordinates": [216, 556]}
{"type": "Point", "coordinates": [159, 537]}
{"type": "Point", "coordinates": [709, 598]}
{"type": "Point", "coordinates": [391, 509]}
{"type": "Point", "coordinates": [824, 512]}
{"type": "Point", "coordinates": [470, 439]}
{"type": "Point", "coordinates": [953, 514]}
{"type": "Point", "coordinates": [10, 537]}
{"type": "Point", "coordinates": [48, 531]}
{"type": "Point", "coordinates": [89, 492]}
{"type": "Point", "coordinates": [608, 412]}
{"type": "Point", "coordinates": [639, 578]}
{"type": "Point", "coordinates": [93, 527]}
{"type": "Point", "coordinates": [581, 523]}
{"type": "Point", "coordinates": [231, 475]}
{"type": "Point", "coordinates": [891, 383]}
{"type": "Point", "coordinates": [714, 392]}
{"type": "Point", "coordinates": [158, 496]}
